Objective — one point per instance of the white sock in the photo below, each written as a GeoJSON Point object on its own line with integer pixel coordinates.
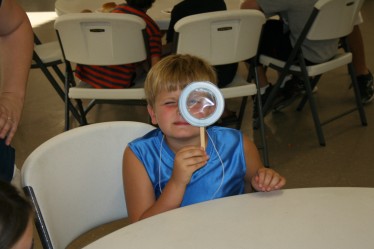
{"type": "Point", "coordinates": [287, 78]}
{"type": "Point", "coordinates": [263, 89]}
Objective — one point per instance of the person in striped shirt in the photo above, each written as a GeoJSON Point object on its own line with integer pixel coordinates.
{"type": "Point", "coordinates": [123, 76]}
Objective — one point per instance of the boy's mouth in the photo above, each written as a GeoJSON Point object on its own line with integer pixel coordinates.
{"type": "Point", "coordinates": [181, 123]}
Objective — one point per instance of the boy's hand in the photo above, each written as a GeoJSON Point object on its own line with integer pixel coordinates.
{"type": "Point", "coordinates": [186, 162]}
{"type": "Point", "coordinates": [267, 180]}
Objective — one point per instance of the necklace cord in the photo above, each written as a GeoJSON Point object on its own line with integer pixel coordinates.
{"type": "Point", "coordinates": [219, 157]}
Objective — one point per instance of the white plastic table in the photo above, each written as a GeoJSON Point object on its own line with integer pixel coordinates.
{"type": "Point", "coordinates": [160, 11]}
{"type": "Point", "coordinates": [310, 218]}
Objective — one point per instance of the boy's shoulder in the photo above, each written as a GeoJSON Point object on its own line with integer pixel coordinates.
{"type": "Point", "coordinates": [217, 128]}
{"type": "Point", "coordinates": [148, 136]}
{"type": "Point", "coordinates": [222, 132]}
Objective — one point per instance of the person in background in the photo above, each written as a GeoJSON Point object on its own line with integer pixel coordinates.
{"type": "Point", "coordinates": [123, 76]}
{"type": "Point", "coordinates": [225, 73]}
{"type": "Point", "coordinates": [168, 168]}
{"type": "Point", "coordinates": [16, 219]}
{"type": "Point", "coordinates": [364, 76]}
{"type": "Point", "coordinates": [16, 48]}
{"type": "Point", "coordinates": [285, 32]}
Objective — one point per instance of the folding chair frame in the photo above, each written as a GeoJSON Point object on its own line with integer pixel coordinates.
{"type": "Point", "coordinates": [54, 64]}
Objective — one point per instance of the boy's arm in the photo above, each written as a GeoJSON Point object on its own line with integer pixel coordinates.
{"type": "Point", "coordinates": [257, 176]}
{"type": "Point", "coordinates": [140, 198]}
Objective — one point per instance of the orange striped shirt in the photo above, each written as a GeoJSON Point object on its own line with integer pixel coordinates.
{"type": "Point", "coordinates": [121, 76]}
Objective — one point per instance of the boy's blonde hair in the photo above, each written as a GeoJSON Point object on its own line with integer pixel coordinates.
{"type": "Point", "coordinates": [176, 72]}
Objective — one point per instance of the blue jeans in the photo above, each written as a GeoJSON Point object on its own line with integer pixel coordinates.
{"type": "Point", "coordinates": [7, 158]}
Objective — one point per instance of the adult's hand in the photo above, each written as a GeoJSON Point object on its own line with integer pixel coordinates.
{"type": "Point", "coordinates": [10, 113]}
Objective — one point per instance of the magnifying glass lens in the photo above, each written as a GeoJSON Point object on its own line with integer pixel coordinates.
{"type": "Point", "coordinates": [201, 103]}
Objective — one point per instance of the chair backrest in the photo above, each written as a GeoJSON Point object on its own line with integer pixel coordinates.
{"type": "Point", "coordinates": [335, 18]}
{"type": "Point", "coordinates": [102, 38]}
{"type": "Point", "coordinates": [220, 37]}
{"type": "Point", "coordinates": [75, 179]}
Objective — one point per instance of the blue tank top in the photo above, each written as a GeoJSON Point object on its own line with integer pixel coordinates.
{"type": "Point", "coordinates": [222, 176]}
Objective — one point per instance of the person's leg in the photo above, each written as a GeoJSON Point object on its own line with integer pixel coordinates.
{"type": "Point", "coordinates": [7, 162]}
{"type": "Point", "coordinates": [364, 76]}
{"type": "Point", "coordinates": [225, 73]}
{"type": "Point", "coordinates": [273, 31]}
{"type": "Point", "coordinates": [356, 45]}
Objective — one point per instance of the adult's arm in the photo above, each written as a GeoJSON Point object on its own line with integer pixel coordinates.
{"type": "Point", "coordinates": [16, 48]}
{"type": "Point", "coordinates": [250, 4]}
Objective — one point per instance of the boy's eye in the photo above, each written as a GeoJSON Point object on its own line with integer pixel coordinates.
{"type": "Point", "coordinates": [192, 102]}
{"type": "Point", "coordinates": [170, 103]}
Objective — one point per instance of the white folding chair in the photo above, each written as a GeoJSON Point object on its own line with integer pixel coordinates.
{"type": "Point", "coordinates": [48, 56]}
{"type": "Point", "coordinates": [74, 180]}
{"type": "Point", "coordinates": [330, 19]}
{"type": "Point", "coordinates": [225, 37]}
{"type": "Point", "coordinates": [101, 39]}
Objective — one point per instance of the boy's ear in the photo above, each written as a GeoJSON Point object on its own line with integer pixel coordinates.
{"type": "Point", "coordinates": [152, 114]}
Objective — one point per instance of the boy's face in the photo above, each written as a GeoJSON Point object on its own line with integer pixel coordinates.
{"type": "Point", "coordinates": [165, 113]}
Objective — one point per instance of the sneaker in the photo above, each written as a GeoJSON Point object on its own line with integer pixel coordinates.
{"type": "Point", "coordinates": [366, 87]}
{"type": "Point", "coordinates": [301, 86]}
{"type": "Point", "coordinates": [264, 97]}
{"type": "Point", "coordinates": [291, 90]}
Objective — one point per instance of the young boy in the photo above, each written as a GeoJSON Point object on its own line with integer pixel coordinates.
{"type": "Point", "coordinates": [168, 168]}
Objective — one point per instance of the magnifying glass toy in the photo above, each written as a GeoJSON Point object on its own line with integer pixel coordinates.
{"type": "Point", "coordinates": [201, 104]}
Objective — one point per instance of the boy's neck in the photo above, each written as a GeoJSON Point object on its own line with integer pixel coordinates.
{"type": "Point", "coordinates": [176, 144]}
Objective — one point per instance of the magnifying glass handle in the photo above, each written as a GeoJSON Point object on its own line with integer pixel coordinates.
{"type": "Point", "coordinates": [202, 137]}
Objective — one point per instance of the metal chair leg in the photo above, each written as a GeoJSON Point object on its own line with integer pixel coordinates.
{"type": "Point", "coordinates": [356, 90]}
{"type": "Point", "coordinates": [312, 103]}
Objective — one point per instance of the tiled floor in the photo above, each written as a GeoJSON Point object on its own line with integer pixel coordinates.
{"type": "Point", "coordinates": [347, 159]}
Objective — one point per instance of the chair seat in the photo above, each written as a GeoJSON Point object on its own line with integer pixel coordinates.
{"type": "Point", "coordinates": [85, 91]}
{"type": "Point", "coordinates": [48, 52]}
{"type": "Point", "coordinates": [313, 70]}
{"type": "Point", "coordinates": [238, 87]}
